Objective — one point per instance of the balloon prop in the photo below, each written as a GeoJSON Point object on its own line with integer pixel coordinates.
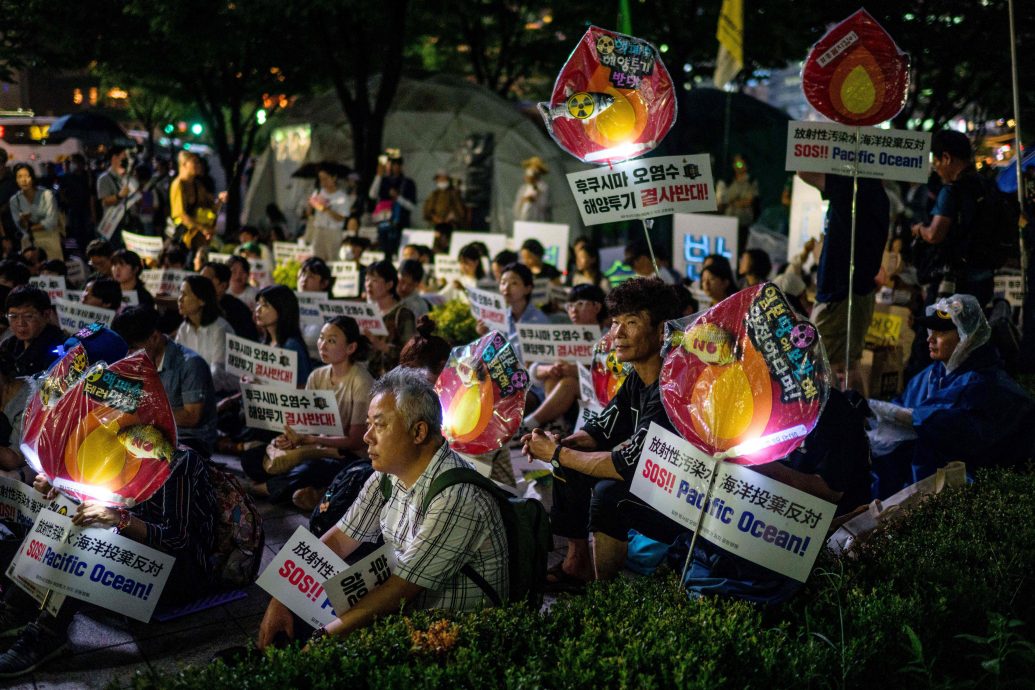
{"type": "Point", "coordinates": [482, 390]}
{"type": "Point", "coordinates": [613, 99]}
{"type": "Point", "coordinates": [856, 74]}
{"type": "Point", "coordinates": [607, 372]}
{"type": "Point", "coordinates": [105, 432]}
{"type": "Point", "coordinates": [746, 380]}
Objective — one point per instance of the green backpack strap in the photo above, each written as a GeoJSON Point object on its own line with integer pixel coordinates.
{"type": "Point", "coordinates": [386, 487]}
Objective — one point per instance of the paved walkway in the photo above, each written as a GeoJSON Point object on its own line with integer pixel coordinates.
{"type": "Point", "coordinates": [106, 646]}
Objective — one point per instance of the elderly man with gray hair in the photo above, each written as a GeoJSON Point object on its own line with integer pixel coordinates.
{"type": "Point", "coordinates": [440, 553]}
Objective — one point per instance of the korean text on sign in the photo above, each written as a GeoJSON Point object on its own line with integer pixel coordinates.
{"type": "Point", "coordinates": [557, 343]}
{"type": "Point", "coordinates": [490, 309]}
{"type": "Point", "coordinates": [367, 316]}
{"type": "Point", "coordinates": [305, 411]}
{"type": "Point", "coordinates": [296, 576]}
{"type": "Point", "coordinates": [264, 363]}
{"type": "Point", "coordinates": [349, 586]}
{"type": "Point", "coordinates": [73, 316]}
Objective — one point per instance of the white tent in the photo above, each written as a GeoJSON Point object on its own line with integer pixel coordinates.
{"type": "Point", "coordinates": [429, 121]}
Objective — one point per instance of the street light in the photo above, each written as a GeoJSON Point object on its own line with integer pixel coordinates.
{"type": "Point", "coordinates": [196, 129]}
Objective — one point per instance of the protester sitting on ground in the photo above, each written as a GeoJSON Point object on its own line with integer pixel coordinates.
{"type": "Point", "coordinates": [587, 267]}
{"type": "Point", "coordinates": [352, 247]}
{"type": "Point", "coordinates": [411, 278]}
{"type": "Point", "coordinates": [472, 273]}
{"type": "Point", "coordinates": [500, 262]}
{"type": "Point", "coordinates": [236, 312]}
{"type": "Point", "coordinates": [33, 339]}
{"type": "Point", "coordinates": [240, 274]}
{"type": "Point", "coordinates": [98, 254]}
{"type": "Point", "coordinates": [308, 463]}
{"type": "Point", "coordinates": [461, 527]}
{"type": "Point", "coordinates": [276, 315]}
{"type": "Point", "coordinates": [717, 281]}
{"type": "Point", "coordinates": [14, 273]}
{"type": "Point", "coordinates": [425, 350]}
{"type": "Point", "coordinates": [125, 268]}
{"type": "Point", "coordinates": [314, 275]}
{"type": "Point", "coordinates": [381, 285]}
{"type": "Point", "coordinates": [963, 406]}
{"type": "Point", "coordinates": [204, 329]}
{"type": "Point", "coordinates": [34, 258]}
{"type": "Point", "coordinates": [532, 253]}
{"type": "Point", "coordinates": [54, 267]}
{"type": "Point", "coordinates": [754, 266]}
{"type": "Point", "coordinates": [597, 463]}
{"type": "Point", "coordinates": [175, 256]}
{"type": "Point", "coordinates": [102, 292]}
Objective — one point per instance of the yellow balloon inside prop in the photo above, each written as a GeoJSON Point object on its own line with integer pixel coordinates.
{"type": "Point", "coordinates": [617, 123]}
{"type": "Point", "coordinates": [100, 458]}
{"type": "Point", "coordinates": [858, 93]}
{"type": "Point", "coordinates": [730, 405]}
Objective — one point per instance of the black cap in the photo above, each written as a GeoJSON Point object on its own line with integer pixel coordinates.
{"type": "Point", "coordinates": [938, 321]}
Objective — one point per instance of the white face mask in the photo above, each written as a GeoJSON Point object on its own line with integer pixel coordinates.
{"type": "Point", "coordinates": [442, 184]}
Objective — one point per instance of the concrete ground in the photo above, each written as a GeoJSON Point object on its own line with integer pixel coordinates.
{"type": "Point", "coordinates": [105, 646]}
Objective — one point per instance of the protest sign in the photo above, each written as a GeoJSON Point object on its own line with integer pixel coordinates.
{"type": "Point", "coordinates": [672, 476]}
{"type": "Point", "coordinates": [540, 291]}
{"type": "Point", "coordinates": [558, 295]}
{"type": "Point", "coordinates": [1010, 288]}
{"type": "Point", "coordinates": [129, 299]}
{"type": "Point", "coordinates": [283, 252]}
{"type": "Point", "coordinates": [885, 154]}
{"type": "Point", "coordinates": [494, 241]}
{"type": "Point", "coordinates": [72, 316]}
{"type": "Point", "coordinates": [447, 269]}
{"type": "Point", "coordinates": [490, 309]}
{"type": "Point", "coordinates": [94, 565]}
{"type": "Point", "coordinates": [218, 257]}
{"type": "Point", "coordinates": [346, 278]}
{"type": "Point", "coordinates": [557, 342]}
{"type": "Point", "coordinates": [371, 256]}
{"type": "Point", "coordinates": [367, 315]}
{"type": "Point", "coordinates": [146, 246]}
{"type": "Point", "coordinates": [261, 274]}
{"type": "Point", "coordinates": [305, 411]}
{"type": "Point", "coordinates": [54, 286]}
{"type": "Point", "coordinates": [424, 238]}
{"type": "Point", "coordinates": [695, 236]}
{"type": "Point", "coordinates": [295, 574]}
{"type": "Point", "coordinates": [351, 585]}
{"type": "Point", "coordinates": [553, 236]}
{"type": "Point", "coordinates": [808, 216]}
{"type": "Point", "coordinates": [266, 364]}
{"type": "Point", "coordinates": [643, 188]}
{"type": "Point", "coordinates": [885, 329]}
{"type": "Point", "coordinates": [164, 281]}
{"type": "Point", "coordinates": [309, 308]}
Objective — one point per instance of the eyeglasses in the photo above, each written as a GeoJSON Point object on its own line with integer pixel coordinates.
{"type": "Point", "coordinates": [18, 316]}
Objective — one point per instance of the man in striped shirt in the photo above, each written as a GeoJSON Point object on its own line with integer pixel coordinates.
{"type": "Point", "coordinates": [461, 527]}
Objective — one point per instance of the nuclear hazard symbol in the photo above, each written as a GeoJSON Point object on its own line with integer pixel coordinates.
{"type": "Point", "coordinates": [581, 105]}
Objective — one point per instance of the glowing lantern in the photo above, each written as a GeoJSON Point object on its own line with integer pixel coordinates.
{"type": "Point", "coordinates": [746, 380]}
{"type": "Point", "coordinates": [482, 391]}
{"type": "Point", "coordinates": [856, 74]}
{"type": "Point", "coordinates": [613, 99]}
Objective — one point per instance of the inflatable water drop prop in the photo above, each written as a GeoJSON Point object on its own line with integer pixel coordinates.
{"type": "Point", "coordinates": [482, 391]}
{"type": "Point", "coordinates": [745, 381]}
{"type": "Point", "coordinates": [607, 372]}
{"type": "Point", "coordinates": [613, 99]}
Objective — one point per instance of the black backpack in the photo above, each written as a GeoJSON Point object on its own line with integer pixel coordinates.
{"type": "Point", "coordinates": [529, 538]}
{"type": "Point", "coordinates": [991, 237]}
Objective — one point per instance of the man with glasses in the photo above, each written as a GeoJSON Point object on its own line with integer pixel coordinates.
{"type": "Point", "coordinates": [34, 338]}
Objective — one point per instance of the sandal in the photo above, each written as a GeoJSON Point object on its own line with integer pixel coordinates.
{"type": "Point", "coordinates": [558, 581]}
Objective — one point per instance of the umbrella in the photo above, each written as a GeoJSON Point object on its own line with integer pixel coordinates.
{"type": "Point", "coordinates": [340, 170]}
{"type": "Point", "coordinates": [93, 129]}
{"type": "Point", "coordinates": [1006, 180]}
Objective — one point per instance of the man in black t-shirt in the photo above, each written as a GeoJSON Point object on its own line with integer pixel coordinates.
{"type": "Point", "coordinates": [595, 466]}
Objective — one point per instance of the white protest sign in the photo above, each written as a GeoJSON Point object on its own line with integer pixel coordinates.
{"type": "Point", "coordinates": [267, 364]}
{"type": "Point", "coordinates": [283, 252]}
{"type": "Point", "coordinates": [261, 274]}
{"type": "Point", "coordinates": [644, 188]}
{"type": "Point", "coordinates": [73, 316]}
{"type": "Point", "coordinates": [540, 291]}
{"type": "Point", "coordinates": [371, 256]}
{"type": "Point", "coordinates": [885, 154]}
{"type": "Point", "coordinates": [146, 246]}
{"type": "Point", "coordinates": [425, 238]}
{"type": "Point", "coordinates": [218, 257]}
{"type": "Point", "coordinates": [295, 574]}
{"type": "Point", "coordinates": [309, 307]}
{"type": "Point", "coordinates": [164, 281]}
{"type": "Point", "coordinates": [489, 308]}
{"type": "Point", "coordinates": [553, 236]}
{"type": "Point", "coordinates": [808, 216]}
{"type": "Point", "coordinates": [305, 411]}
{"type": "Point", "coordinates": [494, 241]}
{"type": "Point", "coordinates": [1010, 288]}
{"type": "Point", "coordinates": [351, 585]}
{"type": "Point", "coordinates": [672, 476]}
{"type": "Point", "coordinates": [696, 235]}
{"type": "Point", "coordinates": [93, 564]}
{"type": "Point", "coordinates": [558, 294]}
{"type": "Point", "coordinates": [54, 286]}
{"type": "Point", "coordinates": [447, 269]}
{"type": "Point", "coordinates": [557, 342]}
{"type": "Point", "coordinates": [130, 299]}
{"type": "Point", "coordinates": [346, 278]}
{"type": "Point", "coordinates": [367, 315]}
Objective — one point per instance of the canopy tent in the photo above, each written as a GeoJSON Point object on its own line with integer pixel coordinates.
{"type": "Point", "coordinates": [428, 121]}
{"type": "Point", "coordinates": [1007, 177]}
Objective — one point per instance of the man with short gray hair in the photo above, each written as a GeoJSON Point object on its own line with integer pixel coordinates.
{"type": "Point", "coordinates": [461, 529]}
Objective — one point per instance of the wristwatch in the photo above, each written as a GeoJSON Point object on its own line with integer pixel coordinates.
{"type": "Point", "coordinates": [555, 463]}
{"type": "Point", "coordinates": [318, 634]}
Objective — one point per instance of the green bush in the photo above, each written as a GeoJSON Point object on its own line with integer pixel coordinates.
{"type": "Point", "coordinates": [944, 599]}
{"type": "Point", "coordinates": [454, 322]}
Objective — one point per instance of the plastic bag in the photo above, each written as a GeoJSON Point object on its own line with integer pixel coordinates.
{"type": "Point", "coordinates": [747, 379]}
{"type": "Point", "coordinates": [607, 372]}
{"type": "Point", "coordinates": [613, 99]}
{"type": "Point", "coordinates": [105, 433]}
{"type": "Point", "coordinates": [856, 74]}
{"type": "Point", "coordinates": [482, 390]}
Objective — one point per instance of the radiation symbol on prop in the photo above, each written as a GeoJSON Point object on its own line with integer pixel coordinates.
{"type": "Point", "coordinates": [581, 105]}
{"type": "Point", "coordinates": [605, 45]}
{"type": "Point", "coordinates": [856, 74]}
